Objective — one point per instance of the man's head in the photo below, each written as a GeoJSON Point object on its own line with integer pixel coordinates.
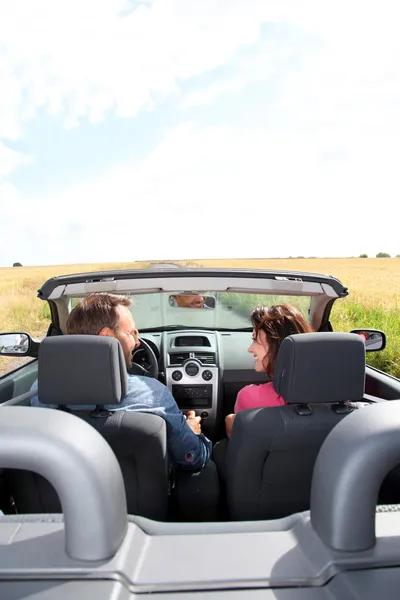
{"type": "Point", "coordinates": [106, 314]}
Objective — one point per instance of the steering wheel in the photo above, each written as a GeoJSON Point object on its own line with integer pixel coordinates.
{"type": "Point", "coordinates": [151, 357]}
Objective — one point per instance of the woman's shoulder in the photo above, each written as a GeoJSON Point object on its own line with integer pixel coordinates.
{"type": "Point", "coordinates": [257, 388]}
{"type": "Point", "coordinates": [255, 396]}
{"type": "Point", "coordinates": [261, 390]}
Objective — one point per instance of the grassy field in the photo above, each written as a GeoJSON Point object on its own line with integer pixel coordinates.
{"type": "Point", "coordinates": [374, 299]}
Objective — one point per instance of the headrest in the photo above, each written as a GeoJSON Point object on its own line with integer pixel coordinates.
{"type": "Point", "coordinates": [320, 367]}
{"type": "Point", "coordinates": [81, 369]}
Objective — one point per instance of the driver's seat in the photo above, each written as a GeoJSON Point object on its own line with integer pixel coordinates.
{"type": "Point", "coordinates": [88, 372]}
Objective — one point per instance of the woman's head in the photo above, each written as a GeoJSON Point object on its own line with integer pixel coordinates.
{"type": "Point", "coordinates": [271, 325]}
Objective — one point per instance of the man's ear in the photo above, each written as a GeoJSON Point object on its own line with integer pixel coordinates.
{"type": "Point", "coordinates": [107, 331]}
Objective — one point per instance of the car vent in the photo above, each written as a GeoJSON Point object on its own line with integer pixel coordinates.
{"type": "Point", "coordinates": [206, 358]}
{"type": "Point", "coordinates": [178, 358]}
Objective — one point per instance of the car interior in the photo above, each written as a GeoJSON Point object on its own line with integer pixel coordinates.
{"type": "Point", "coordinates": [343, 547]}
{"type": "Point", "coordinates": [195, 330]}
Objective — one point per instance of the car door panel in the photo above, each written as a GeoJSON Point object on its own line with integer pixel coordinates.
{"type": "Point", "coordinates": [381, 385]}
{"type": "Point", "coordinates": [18, 382]}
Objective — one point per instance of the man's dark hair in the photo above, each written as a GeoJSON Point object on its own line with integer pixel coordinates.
{"type": "Point", "coordinates": [95, 312]}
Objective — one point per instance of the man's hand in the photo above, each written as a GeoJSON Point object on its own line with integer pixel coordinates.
{"type": "Point", "coordinates": [193, 421]}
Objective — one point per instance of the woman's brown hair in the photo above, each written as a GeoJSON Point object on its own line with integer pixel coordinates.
{"type": "Point", "coordinates": [277, 322]}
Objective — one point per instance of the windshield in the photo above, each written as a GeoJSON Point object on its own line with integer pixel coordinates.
{"type": "Point", "coordinates": [231, 310]}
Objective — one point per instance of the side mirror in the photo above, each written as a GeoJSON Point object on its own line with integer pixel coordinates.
{"type": "Point", "coordinates": [15, 344]}
{"type": "Point", "coordinates": [374, 339]}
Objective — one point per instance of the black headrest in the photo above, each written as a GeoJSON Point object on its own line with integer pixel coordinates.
{"type": "Point", "coordinates": [320, 367]}
{"type": "Point", "coordinates": [81, 369]}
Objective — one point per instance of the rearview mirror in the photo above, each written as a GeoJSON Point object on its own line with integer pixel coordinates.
{"type": "Point", "coordinates": [15, 344]}
{"type": "Point", "coordinates": [191, 301]}
{"type": "Point", "coordinates": [374, 339]}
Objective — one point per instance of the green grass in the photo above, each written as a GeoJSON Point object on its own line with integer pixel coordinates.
{"type": "Point", "coordinates": [348, 315]}
{"type": "Point", "coordinates": [244, 303]}
{"type": "Point", "coordinates": [345, 316]}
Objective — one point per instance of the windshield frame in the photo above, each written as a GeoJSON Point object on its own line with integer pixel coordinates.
{"type": "Point", "coordinates": [324, 290]}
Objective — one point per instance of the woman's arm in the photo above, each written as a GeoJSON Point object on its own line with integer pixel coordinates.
{"type": "Point", "coordinates": [228, 424]}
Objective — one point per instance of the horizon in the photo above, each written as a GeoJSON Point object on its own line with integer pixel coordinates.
{"type": "Point", "coordinates": [194, 260]}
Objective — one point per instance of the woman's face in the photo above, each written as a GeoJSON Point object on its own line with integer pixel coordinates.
{"type": "Point", "coordinates": [259, 349]}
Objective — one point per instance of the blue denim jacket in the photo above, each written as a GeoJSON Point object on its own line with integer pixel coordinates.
{"type": "Point", "coordinates": [187, 449]}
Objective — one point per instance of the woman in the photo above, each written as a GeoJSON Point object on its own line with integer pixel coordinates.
{"type": "Point", "coordinates": [271, 325]}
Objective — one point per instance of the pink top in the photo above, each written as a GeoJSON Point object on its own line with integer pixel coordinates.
{"type": "Point", "coordinates": [258, 396]}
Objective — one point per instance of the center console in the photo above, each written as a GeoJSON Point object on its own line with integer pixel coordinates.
{"type": "Point", "coordinates": [192, 373]}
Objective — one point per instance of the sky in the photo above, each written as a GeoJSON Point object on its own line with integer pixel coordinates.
{"type": "Point", "coordinates": [177, 129]}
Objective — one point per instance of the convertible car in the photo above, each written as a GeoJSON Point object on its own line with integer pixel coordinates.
{"type": "Point", "coordinates": [304, 503]}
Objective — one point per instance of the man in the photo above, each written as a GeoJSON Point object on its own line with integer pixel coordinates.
{"type": "Point", "coordinates": [109, 315]}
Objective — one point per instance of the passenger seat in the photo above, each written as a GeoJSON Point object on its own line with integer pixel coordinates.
{"type": "Point", "coordinates": [270, 458]}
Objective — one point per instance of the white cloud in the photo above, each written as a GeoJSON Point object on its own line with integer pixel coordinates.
{"type": "Point", "coordinates": [333, 59]}
{"type": "Point", "coordinates": [208, 95]}
{"type": "Point", "coordinates": [321, 179]}
{"type": "Point", "coordinates": [10, 160]}
{"type": "Point", "coordinates": [82, 59]}
{"type": "Point", "coordinates": [217, 191]}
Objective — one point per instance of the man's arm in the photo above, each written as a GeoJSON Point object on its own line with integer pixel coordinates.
{"type": "Point", "coordinates": [35, 398]}
{"type": "Point", "coordinates": [188, 450]}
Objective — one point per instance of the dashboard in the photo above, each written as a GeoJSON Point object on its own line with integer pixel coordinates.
{"type": "Point", "coordinates": [204, 370]}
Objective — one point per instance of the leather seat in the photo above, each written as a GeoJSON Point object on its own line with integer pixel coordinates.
{"type": "Point", "coordinates": [87, 371]}
{"type": "Point", "coordinates": [268, 463]}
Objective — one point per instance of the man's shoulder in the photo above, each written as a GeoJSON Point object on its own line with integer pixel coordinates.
{"type": "Point", "coordinates": [140, 382]}
{"type": "Point", "coordinates": [143, 388]}
{"type": "Point", "coordinates": [147, 391]}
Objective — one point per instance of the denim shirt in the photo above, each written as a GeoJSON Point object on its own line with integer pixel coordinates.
{"type": "Point", "coordinates": [187, 449]}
